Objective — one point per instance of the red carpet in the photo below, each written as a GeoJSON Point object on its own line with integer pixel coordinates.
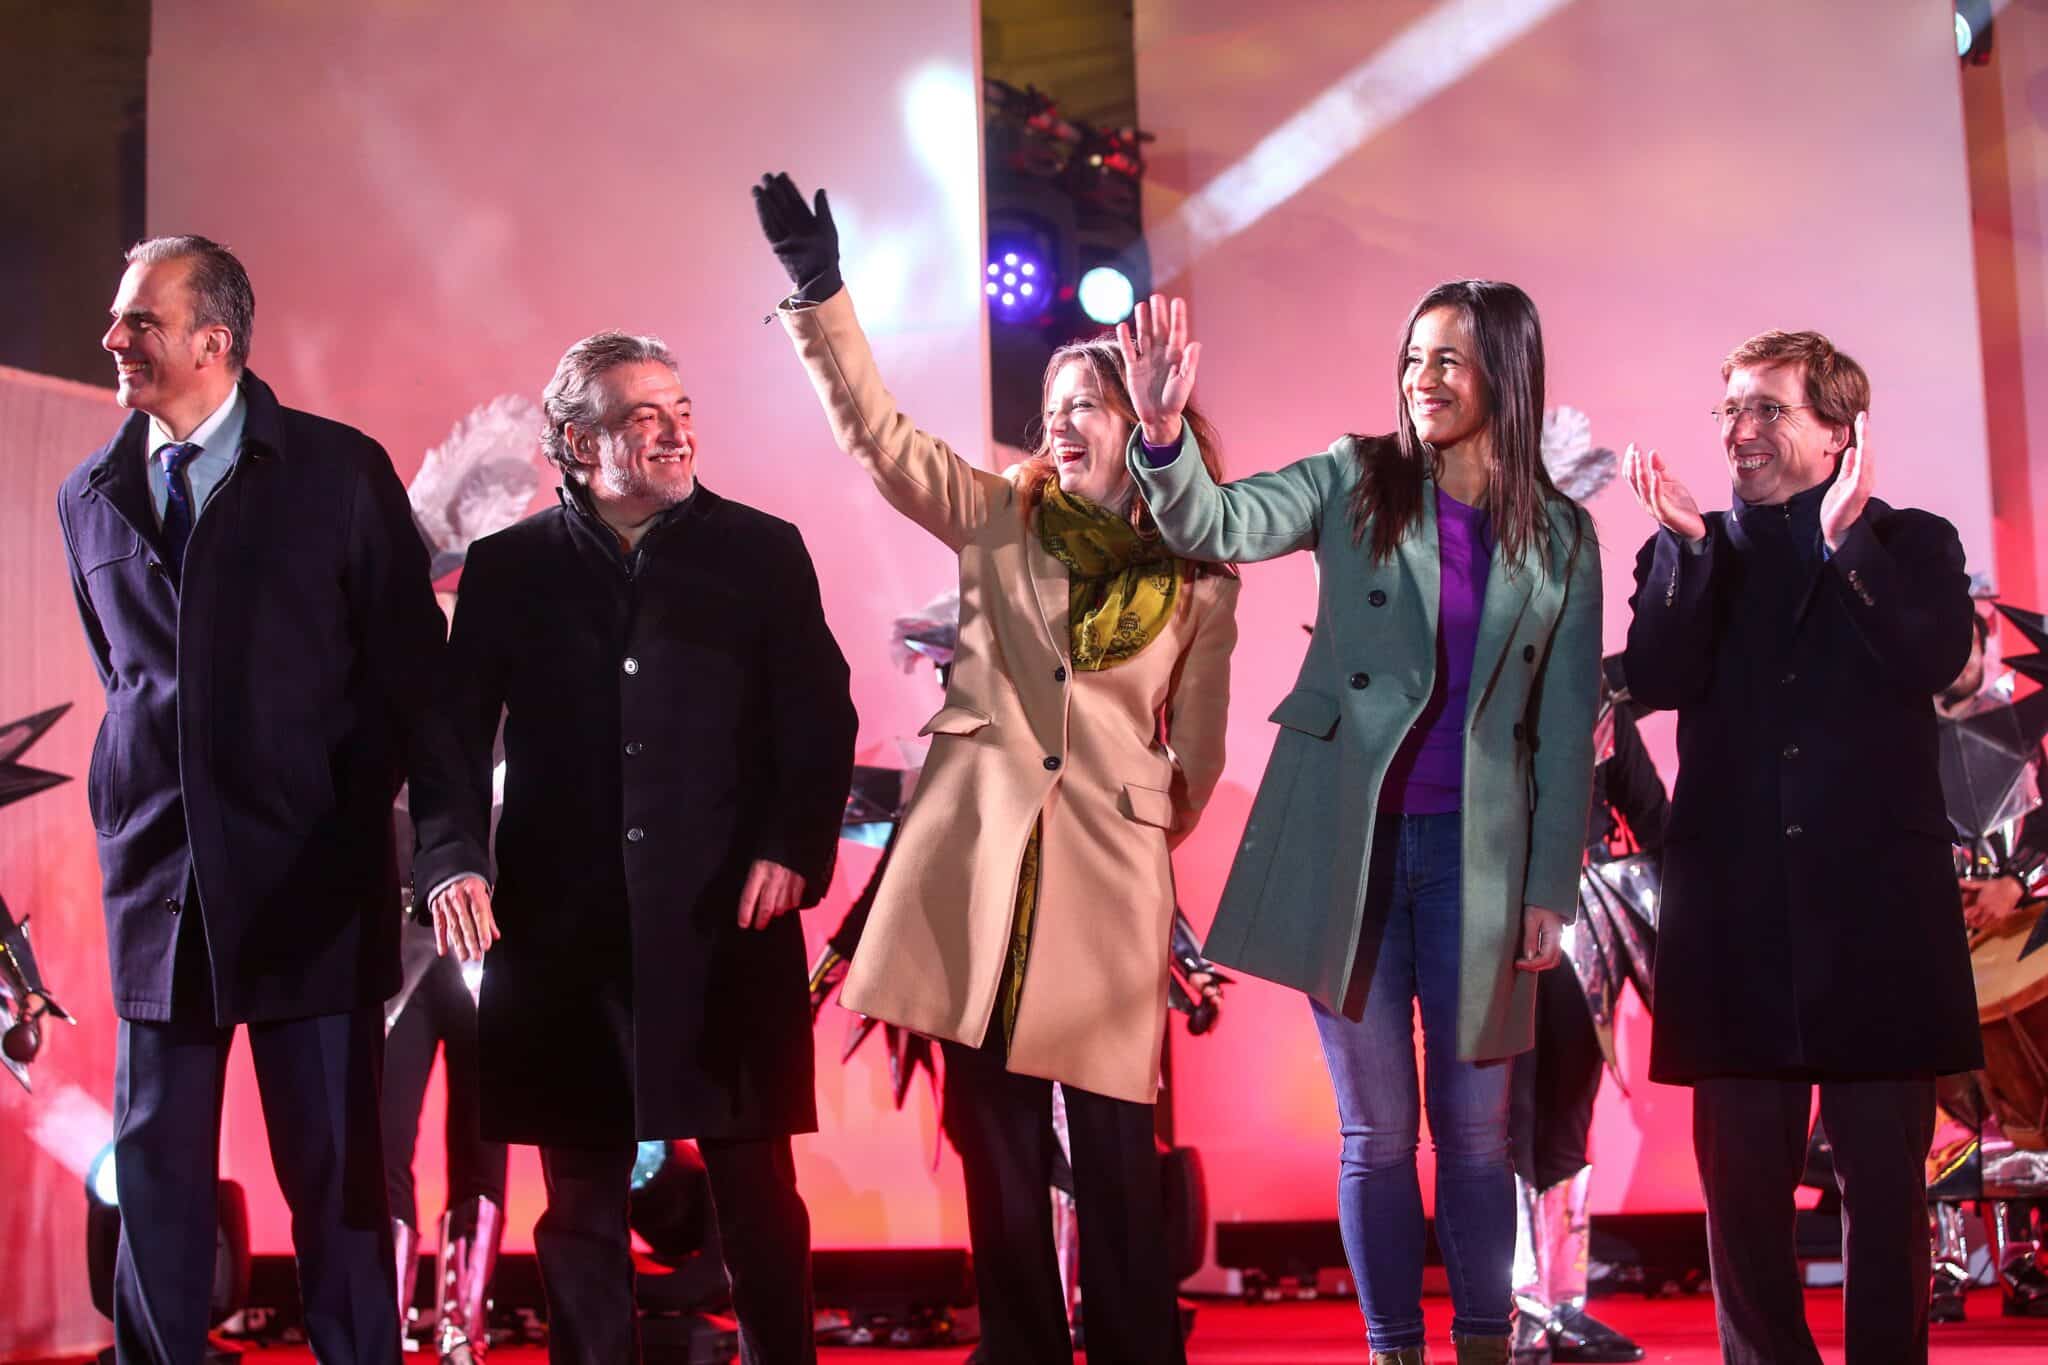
{"type": "Point", "coordinates": [1678, 1331]}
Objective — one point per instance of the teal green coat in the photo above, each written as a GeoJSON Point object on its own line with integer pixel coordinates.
{"type": "Point", "coordinates": [1293, 906]}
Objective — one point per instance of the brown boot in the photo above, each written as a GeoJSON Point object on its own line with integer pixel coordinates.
{"type": "Point", "coordinates": [1483, 1350]}
{"type": "Point", "coordinates": [1407, 1355]}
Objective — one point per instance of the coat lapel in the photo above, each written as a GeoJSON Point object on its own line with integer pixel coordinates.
{"type": "Point", "coordinates": [1507, 597]}
{"type": "Point", "coordinates": [1418, 555]}
{"type": "Point", "coordinates": [1049, 587]}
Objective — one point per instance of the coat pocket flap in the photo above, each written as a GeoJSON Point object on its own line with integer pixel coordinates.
{"type": "Point", "coordinates": [1312, 713]}
{"type": "Point", "coordinates": [954, 720]}
{"type": "Point", "coordinates": [1148, 805]}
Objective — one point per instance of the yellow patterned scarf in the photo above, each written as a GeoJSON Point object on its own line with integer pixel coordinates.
{"type": "Point", "coordinates": [1121, 591]}
{"type": "Point", "coordinates": [1121, 586]}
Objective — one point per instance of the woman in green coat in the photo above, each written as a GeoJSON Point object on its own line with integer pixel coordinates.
{"type": "Point", "coordinates": [1419, 829]}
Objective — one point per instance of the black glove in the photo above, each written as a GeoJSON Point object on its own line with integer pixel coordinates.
{"type": "Point", "coordinates": [804, 238]}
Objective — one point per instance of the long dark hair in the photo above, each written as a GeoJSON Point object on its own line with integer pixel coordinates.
{"type": "Point", "coordinates": [1509, 339]}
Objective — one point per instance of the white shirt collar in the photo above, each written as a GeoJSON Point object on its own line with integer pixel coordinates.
{"type": "Point", "coordinates": [160, 435]}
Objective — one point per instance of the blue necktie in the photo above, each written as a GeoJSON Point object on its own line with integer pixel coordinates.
{"type": "Point", "coordinates": [178, 509]}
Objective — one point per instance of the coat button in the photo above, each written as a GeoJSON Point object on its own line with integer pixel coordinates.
{"type": "Point", "coordinates": [1060, 674]}
{"type": "Point", "coordinates": [1360, 681]}
{"type": "Point", "coordinates": [1052, 763]}
{"type": "Point", "coordinates": [1376, 598]}
{"type": "Point", "coordinates": [1790, 751]}
{"type": "Point", "coordinates": [631, 665]}
{"type": "Point", "coordinates": [156, 566]}
{"type": "Point", "coordinates": [1789, 679]}
{"type": "Point", "coordinates": [633, 748]}
{"type": "Point", "coordinates": [172, 905]}
{"type": "Point", "coordinates": [635, 835]}
{"type": "Point", "coordinates": [1793, 831]}
{"type": "Point", "coordinates": [1528, 654]}
{"type": "Point", "coordinates": [1518, 729]}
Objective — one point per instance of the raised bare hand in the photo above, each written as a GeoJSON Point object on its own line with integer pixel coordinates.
{"type": "Point", "coordinates": [1159, 365]}
{"type": "Point", "coordinates": [1660, 493]}
{"type": "Point", "coordinates": [1845, 501]}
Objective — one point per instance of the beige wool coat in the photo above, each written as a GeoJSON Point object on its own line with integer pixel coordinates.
{"type": "Point", "coordinates": [1117, 763]}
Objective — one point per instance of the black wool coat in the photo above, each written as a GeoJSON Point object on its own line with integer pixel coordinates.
{"type": "Point", "coordinates": [1811, 926]}
{"type": "Point", "coordinates": [669, 718]}
{"type": "Point", "coordinates": [262, 709]}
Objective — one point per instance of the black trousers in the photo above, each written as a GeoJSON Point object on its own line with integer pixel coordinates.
{"type": "Point", "coordinates": [1551, 1095]}
{"type": "Point", "coordinates": [1749, 1135]}
{"type": "Point", "coordinates": [1001, 1124]}
{"type": "Point", "coordinates": [317, 1079]}
{"type": "Point", "coordinates": [441, 1016]}
{"type": "Point", "coordinates": [584, 1249]}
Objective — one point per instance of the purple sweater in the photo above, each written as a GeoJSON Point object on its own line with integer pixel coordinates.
{"type": "Point", "coordinates": [1427, 776]}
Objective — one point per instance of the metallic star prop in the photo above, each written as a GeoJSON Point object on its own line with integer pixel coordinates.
{"type": "Point", "coordinates": [2034, 626]}
{"type": "Point", "coordinates": [1984, 760]}
{"type": "Point", "coordinates": [18, 780]}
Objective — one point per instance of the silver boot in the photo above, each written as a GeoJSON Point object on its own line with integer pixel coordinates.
{"type": "Point", "coordinates": [405, 1240]}
{"type": "Point", "coordinates": [1531, 1273]}
{"type": "Point", "coordinates": [1950, 1275]}
{"type": "Point", "coordinates": [463, 1280]}
{"type": "Point", "coordinates": [1575, 1335]}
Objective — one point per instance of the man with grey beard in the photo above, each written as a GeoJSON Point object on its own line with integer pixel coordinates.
{"type": "Point", "coordinates": [678, 748]}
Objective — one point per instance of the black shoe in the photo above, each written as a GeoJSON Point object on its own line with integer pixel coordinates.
{"type": "Point", "coordinates": [1944, 1301]}
{"type": "Point", "coordinates": [2026, 1289]}
{"type": "Point", "coordinates": [1576, 1335]}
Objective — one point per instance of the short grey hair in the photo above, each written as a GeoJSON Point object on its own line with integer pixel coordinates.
{"type": "Point", "coordinates": [220, 287]}
{"type": "Point", "coordinates": [572, 397]}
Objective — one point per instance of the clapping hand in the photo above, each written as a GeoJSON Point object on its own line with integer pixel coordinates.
{"type": "Point", "coordinates": [1846, 500]}
{"type": "Point", "coordinates": [802, 235]}
{"type": "Point", "coordinates": [1159, 365]}
{"type": "Point", "coordinates": [1660, 493]}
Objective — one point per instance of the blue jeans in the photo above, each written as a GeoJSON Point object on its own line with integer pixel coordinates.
{"type": "Point", "coordinates": [1409, 949]}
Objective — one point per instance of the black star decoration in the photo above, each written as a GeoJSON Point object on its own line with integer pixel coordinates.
{"type": "Point", "coordinates": [18, 780]}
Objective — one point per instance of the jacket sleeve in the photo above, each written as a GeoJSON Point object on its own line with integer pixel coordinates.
{"type": "Point", "coordinates": [1566, 701]}
{"type": "Point", "coordinates": [918, 474]}
{"type": "Point", "coordinates": [95, 633]}
{"type": "Point", "coordinates": [390, 596]}
{"type": "Point", "coordinates": [1259, 517]}
{"type": "Point", "coordinates": [1908, 596]}
{"type": "Point", "coordinates": [451, 794]}
{"type": "Point", "coordinates": [1199, 706]}
{"type": "Point", "coordinates": [1670, 651]}
{"type": "Point", "coordinates": [1634, 787]}
{"type": "Point", "coordinates": [811, 729]}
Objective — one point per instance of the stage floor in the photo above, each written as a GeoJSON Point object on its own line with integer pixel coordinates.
{"type": "Point", "coordinates": [1677, 1331]}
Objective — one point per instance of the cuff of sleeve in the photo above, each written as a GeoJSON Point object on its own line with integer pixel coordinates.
{"type": "Point", "coordinates": [449, 881]}
{"type": "Point", "coordinates": [1145, 458]}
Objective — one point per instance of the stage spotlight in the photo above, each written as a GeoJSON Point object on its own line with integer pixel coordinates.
{"type": "Point", "coordinates": [1107, 295]}
{"type": "Point", "coordinates": [1018, 283]}
{"type": "Point", "coordinates": [231, 1260]}
{"type": "Point", "coordinates": [669, 1200]}
{"type": "Point", "coordinates": [1973, 31]}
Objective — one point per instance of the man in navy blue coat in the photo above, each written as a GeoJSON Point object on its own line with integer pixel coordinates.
{"type": "Point", "coordinates": [1811, 934]}
{"type": "Point", "coordinates": [258, 607]}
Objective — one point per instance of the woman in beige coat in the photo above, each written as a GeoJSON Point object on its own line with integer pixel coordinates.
{"type": "Point", "coordinates": [1025, 916]}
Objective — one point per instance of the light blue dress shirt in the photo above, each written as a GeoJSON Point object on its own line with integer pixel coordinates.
{"type": "Point", "coordinates": [219, 439]}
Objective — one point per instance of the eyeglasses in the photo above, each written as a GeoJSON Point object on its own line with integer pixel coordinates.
{"type": "Point", "coordinates": [1765, 413]}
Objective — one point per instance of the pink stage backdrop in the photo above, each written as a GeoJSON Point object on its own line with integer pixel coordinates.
{"type": "Point", "coordinates": [435, 200]}
{"type": "Point", "coordinates": [1664, 180]}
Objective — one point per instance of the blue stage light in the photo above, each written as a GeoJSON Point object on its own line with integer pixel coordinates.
{"type": "Point", "coordinates": [1018, 283]}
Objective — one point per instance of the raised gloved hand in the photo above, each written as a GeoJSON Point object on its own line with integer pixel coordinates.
{"type": "Point", "coordinates": [803, 236]}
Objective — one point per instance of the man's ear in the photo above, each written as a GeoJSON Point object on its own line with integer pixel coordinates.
{"type": "Point", "coordinates": [1839, 439]}
{"type": "Point", "coordinates": [582, 443]}
{"type": "Point", "coordinates": [216, 343]}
